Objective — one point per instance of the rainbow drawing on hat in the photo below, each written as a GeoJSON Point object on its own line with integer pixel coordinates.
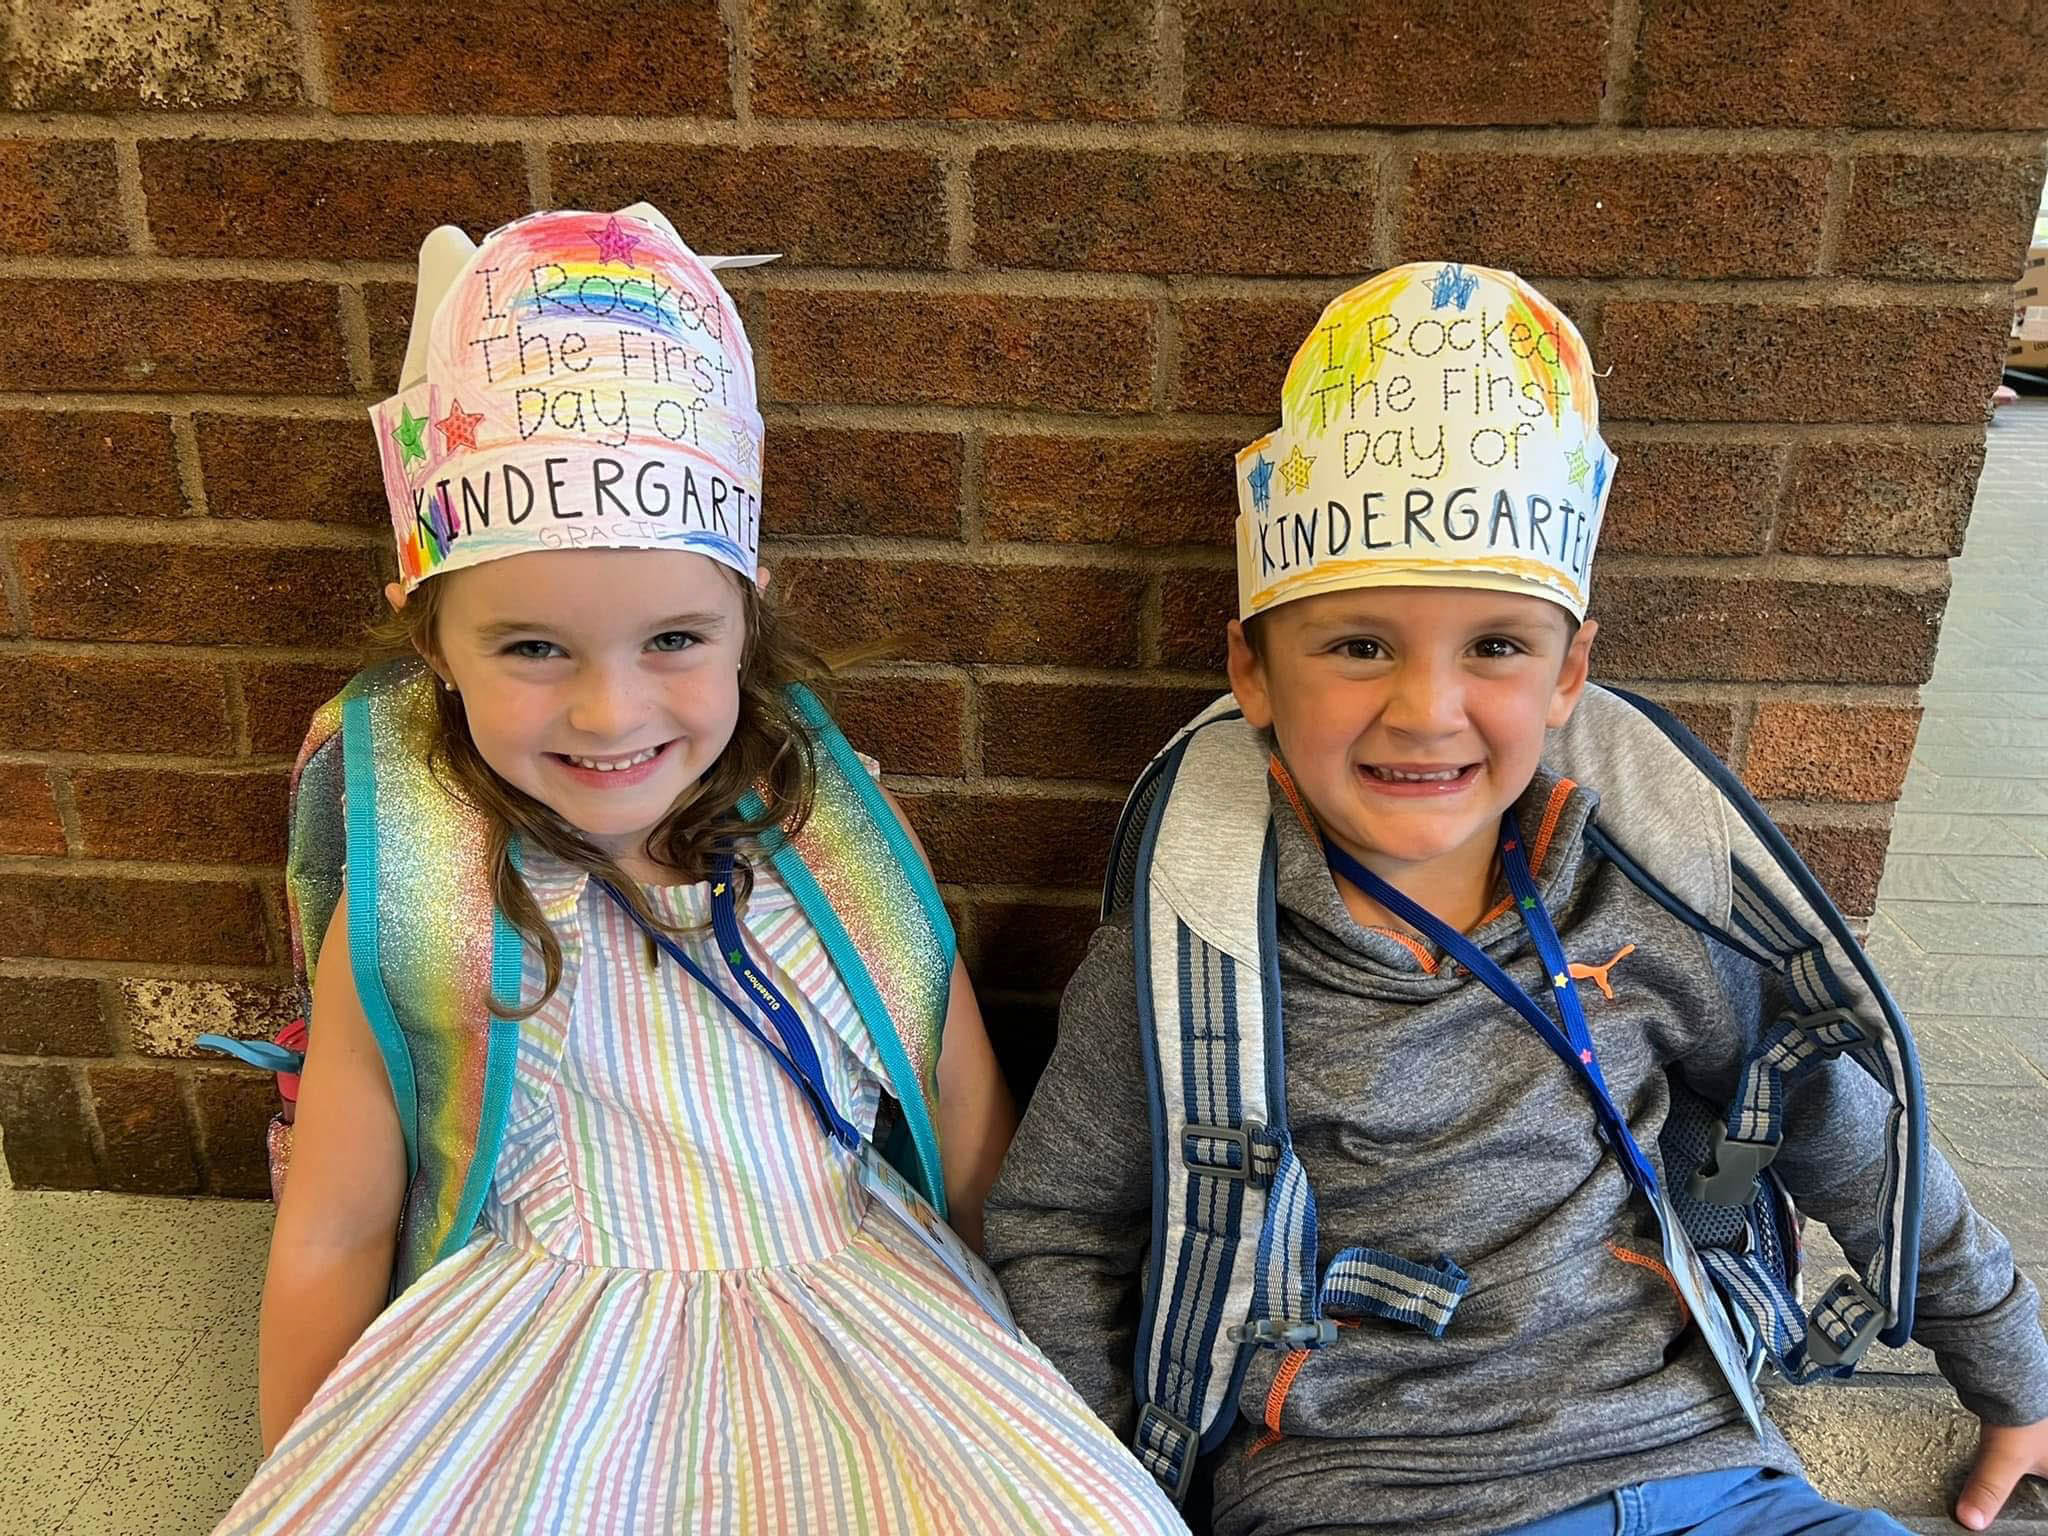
{"type": "Point", "coordinates": [1439, 426]}
{"type": "Point", "coordinates": [578, 381]}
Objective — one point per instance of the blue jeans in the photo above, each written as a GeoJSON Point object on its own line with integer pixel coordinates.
{"type": "Point", "coordinates": [1740, 1502]}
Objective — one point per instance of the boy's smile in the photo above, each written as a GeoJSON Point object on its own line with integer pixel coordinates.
{"type": "Point", "coordinates": [1409, 719]}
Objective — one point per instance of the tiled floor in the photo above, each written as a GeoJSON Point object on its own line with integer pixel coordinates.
{"type": "Point", "coordinates": [127, 1326]}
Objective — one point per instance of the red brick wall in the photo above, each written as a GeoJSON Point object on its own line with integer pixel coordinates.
{"type": "Point", "coordinates": [1045, 263]}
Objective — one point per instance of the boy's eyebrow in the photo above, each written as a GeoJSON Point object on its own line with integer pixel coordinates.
{"type": "Point", "coordinates": [499, 629]}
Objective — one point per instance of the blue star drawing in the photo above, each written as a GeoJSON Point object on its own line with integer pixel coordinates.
{"type": "Point", "coordinates": [1261, 482]}
{"type": "Point", "coordinates": [1575, 463]}
{"type": "Point", "coordinates": [1451, 286]}
{"type": "Point", "coordinates": [1600, 476]}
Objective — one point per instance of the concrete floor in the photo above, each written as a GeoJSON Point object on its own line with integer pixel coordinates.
{"type": "Point", "coordinates": [128, 1326]}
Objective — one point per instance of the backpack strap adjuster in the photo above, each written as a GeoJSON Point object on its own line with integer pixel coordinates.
{"type": "Point", "coordinates": [1167, 1446]}
{"type": "Point", "coordinates": [1275, 1333]}
{"type": "Point", "coordinates": [1842, 1327]}
{"type": "Point", "coordinates": [1237, 1153]}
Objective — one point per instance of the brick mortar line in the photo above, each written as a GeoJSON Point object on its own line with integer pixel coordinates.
{"type": "Point", "coordinates": [195, 1128]}
{"type": "Point", "coordinates": [1169, 77]}
{"type": "Point", "coordinates": [1740, 727]}
{"type": "Point", "coordinates": [972, 754]}
{"type": "Point", "coordinates": [1392, 167]}
{"type": "Point", "coordinates": [185, 455]}
{"type": "Point", "coordinates": [11, 589]}
{"type": "Point", "coordinates": [1165, 356]}
{"type": "Point", "coordinates": [134, 202]}
{"type": "Point", "coordinates": [1830, 813]}
{"type": "Point", "coordinates": [1073, 790]}
{"type": "Point", "coordinates": [1834, 217]}
{"type": "Point", "coordinates": [1063, 283]}
{"type": "Point", "coordinates": [305, 25]}
{"type": "Point", "coordinates": [977, 134]}
{"type": "Point", "coordinates": [169, 871]}
{"type": "Point", "coordinates": [192, 533]}
{"type": "Point", "coordinates": [67, 812]}
{"type": "Point", "coordinates": [739, 63]}
{"type": "Point", "coordinates": [1048, 282]}
{"type": "Point", "coordinates": [38, 968]}
{"type": "Point", "coordinates": [1618, 104]}
{"type": "Point", "coordinates": [199, 532]}
{"type": "Point", "coordinates": [37, 647]}
{"type": "Point", "coordinates": [973, 470]}
{"type": "Point", "coordinates": [959, 212]}
{"type": "Point", "coordinates": [1000, 674]}
{"type": "Point", "coordinates": [540, 175]}
{"type": "Point", "coordinates": [277, 931]}
{"type": "Point", "coordinates": [250, 766]}
{"type": "Point", "coordinates": [236, 695]}
{"type": "Point", "coordinates": [1002, 420]}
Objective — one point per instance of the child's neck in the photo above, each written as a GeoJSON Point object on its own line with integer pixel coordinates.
{"type": "Point", "coordinates": [1456, 887]}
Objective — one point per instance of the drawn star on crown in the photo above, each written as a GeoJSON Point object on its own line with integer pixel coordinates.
{"type": "Point", "coordinates": [458, 428]}
{"type": "Point", "coordinates": [1295, 469]}
{"type": "Point", "coordinates": [614, 244]}
{"type": "Point", "coordinates": [409, 432]}
{"type": "Point", "coordinates": [1577, 463]}
{"type": "Point", "coordinates": [1452, 285]}
{"type": "Point", "coordinates": [1261, 481]}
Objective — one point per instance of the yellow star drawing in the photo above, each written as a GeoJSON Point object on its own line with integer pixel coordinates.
{"type": "Point", "coordinates": [1294, 469]}
{"type": "Point", "coordinates": [718, 889]}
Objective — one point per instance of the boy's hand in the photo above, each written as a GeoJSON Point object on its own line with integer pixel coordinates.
{"type": "Point", "coordinates": [2005, 1454]}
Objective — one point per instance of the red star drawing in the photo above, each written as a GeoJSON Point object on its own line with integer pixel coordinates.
{"type": "Point", "coordinates": [1586, 1057]}
{"type": "Point", "coordinates": [614, 244]}
{"type": "Point", "coordinates": [458, 428]}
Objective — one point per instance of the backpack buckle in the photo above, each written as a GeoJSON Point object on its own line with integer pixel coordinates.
{"type": "Point", "coordinates": [1737, 1165]}
{"type": "Point", "coordinates": [1235, 1161]}
{"type": "Point", "coordinates": [1167, 1446]}
{"type": "Point", "coordinates": [1273, 1332]}
{"type": "Point", "coordinates": [1842, 1327]}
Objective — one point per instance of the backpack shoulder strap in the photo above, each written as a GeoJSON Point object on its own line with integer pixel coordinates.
{"type": "Point", "coordinates": [855, 873]}
{"type": "Point", "coordinates": [1683, 827]}
{"type": "Point", "coordinates": [1221, 1268]}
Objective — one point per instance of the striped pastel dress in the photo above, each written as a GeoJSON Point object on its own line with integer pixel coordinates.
{"type": "Point", "coordinates": [680, 1311]}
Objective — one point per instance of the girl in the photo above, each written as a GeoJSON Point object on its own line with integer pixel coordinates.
{"type": "Point", "coordinates": [651, 1273]}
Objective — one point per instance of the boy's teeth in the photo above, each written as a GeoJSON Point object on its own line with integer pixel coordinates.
{"type": "Point", "coordinates": [615, 765]}
{"type": "Point", "coordinates": [1439, 776]}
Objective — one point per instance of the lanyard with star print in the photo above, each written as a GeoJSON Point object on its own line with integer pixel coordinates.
{"type": "Point", "coordinates": [1573, 1044]}
{"type": "Point", "coordinates": [797, 1057]}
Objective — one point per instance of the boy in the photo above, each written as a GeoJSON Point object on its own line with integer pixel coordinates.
{"type": "Point", "coordinates": [1413, 552]}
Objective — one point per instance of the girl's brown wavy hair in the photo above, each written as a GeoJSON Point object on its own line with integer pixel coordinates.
{"type": "Point", "coordinates": [771, 750]}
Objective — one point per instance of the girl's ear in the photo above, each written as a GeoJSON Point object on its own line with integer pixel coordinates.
{"type": "Point", "coordinates": [395, 594]}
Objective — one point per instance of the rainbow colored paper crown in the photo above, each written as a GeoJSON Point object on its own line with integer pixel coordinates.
{"type": "Point", "coordinates": [578, 381]}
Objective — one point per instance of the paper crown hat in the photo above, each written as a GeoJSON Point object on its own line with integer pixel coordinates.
{"type": "Point", "coordinates": [578, 381]}
{"type": "Point", "coordinates": [1439, 427]}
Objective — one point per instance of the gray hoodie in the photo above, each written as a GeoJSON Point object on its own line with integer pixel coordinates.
{"type": "Point", "coordinates": [1431, 1120]}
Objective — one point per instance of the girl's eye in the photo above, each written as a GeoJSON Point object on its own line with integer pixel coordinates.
{"type": "Point", "coordinates": [1361, 649]}
{"type": "Point", "coordinates": [532, 650]}
{"type": "Point", "coordinates": [1497, 648]}
{"type": "Point", "coordinates": [672, 640]}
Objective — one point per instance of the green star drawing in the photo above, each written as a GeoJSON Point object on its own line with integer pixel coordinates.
{"type": "Point", "coordinates": [1575, 461]}
{"type": "Point", "coordinates": [738, 957]}
{"type": "Point", "coordinates": [1528, 903]}
{"type": "Point", "coordinates": [410, 431]}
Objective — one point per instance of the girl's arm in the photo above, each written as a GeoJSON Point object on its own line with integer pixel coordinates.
{"type": "Point", "coordinates": [337, 1223]}
{"type": "Point", "coordinates": [977, 1117]}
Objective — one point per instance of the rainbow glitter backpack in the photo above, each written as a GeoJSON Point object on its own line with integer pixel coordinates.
{"type": "Point", "coordinates": [430, 952]}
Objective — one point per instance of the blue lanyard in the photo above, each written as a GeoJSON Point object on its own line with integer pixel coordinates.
{"type": "Point", "coordinates": [1573, 1044]}
{"type": "Point", "coordinates": [795, 1055]}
